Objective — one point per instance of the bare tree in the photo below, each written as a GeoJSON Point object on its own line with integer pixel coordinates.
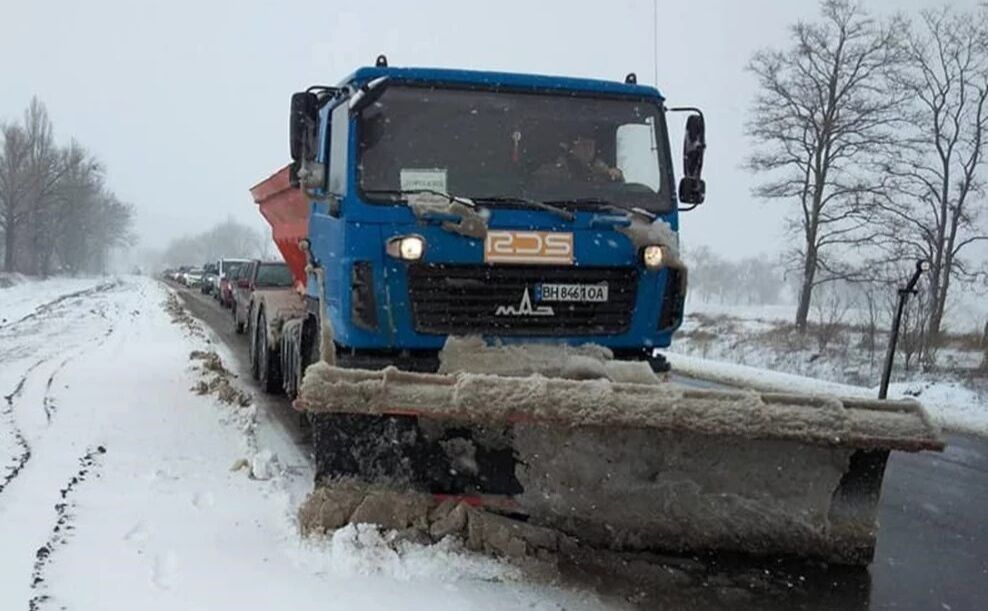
{"type": "Point", "coordinates": [13, 190]}
{"type": "Point", "coordinates": [831, 312]}
{"type": "Point", "coordinates": [823, 109]}
{"type": "Point", "coordinates": [55, 210]}
{"type": "Point", "coordinates": [227, 239]}
{"type": "Point", "coordinates": [912, 335]}
{"type": "Point", "coordinates": [46, 168]}
{"type": "Point", "coordinates": [984, 348]}
{"type": "Point", "coordinates": [752, 280]}
{"type": "Point", "coordinates": [66, 219]}
{"type": "Point", "coordinates": [869, 340]}
{"type": "Point", "coordinates": [934, 212]}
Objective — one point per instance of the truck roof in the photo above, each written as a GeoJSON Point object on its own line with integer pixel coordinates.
{"type": "Point", "coordinates": [503, 79]}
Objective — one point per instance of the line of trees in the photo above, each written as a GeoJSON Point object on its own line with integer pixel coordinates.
{"type": "Point", "coordinates": [56, 212]}
{"type": "Point", "coordinates": [228, 239]}
{"type": "Point", "coordinates": [875, 131]}
{"type": "Point", "coordinates": [751, 281]}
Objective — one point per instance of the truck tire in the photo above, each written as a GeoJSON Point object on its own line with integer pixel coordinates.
{"type": "Point", "coordinates": [308, 354]}
{"type": "Point", "coordinates": [252, 353]}
{"type": "Point", "coordinates": [266, 360]}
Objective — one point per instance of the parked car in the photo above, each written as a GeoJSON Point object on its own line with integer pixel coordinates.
{"type": "Point", "coordinates": [178, 274]}
{"type": "Point", "coordinates": [257, 275]}
{"type": "Point", "coordinates": [228, 286]}
{"type": "Point", "coordinates": [207, 283]}
{"type": "Point", "coordinates": [227, 269]}
{"type": "Point", "coordinates": [209, 279]}
{"type": "Point", "coordinates": [238, 282]}
{"type": "Point", "coordinates": [192, 278]}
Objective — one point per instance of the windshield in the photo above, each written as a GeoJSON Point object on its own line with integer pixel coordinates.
{"type": "Point", "coordinates": [273, 274]}
{"type": "Point", "coordinates": [231, 268]}
{"type": "Point", "coordinates": [543, 147]}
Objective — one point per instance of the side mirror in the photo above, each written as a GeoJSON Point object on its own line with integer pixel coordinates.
{"type": "Point", "coordinates": [692, 189]}
{"type": "Point", "coordinates": [302, 123]}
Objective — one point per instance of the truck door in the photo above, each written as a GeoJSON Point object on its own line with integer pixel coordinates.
{"type": "Point", "coordinates": [327, 218]}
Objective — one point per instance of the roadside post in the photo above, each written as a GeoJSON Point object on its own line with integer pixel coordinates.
{"type": "Point", "coordinates": [910, 289]}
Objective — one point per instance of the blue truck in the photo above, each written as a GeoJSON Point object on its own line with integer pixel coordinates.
{"type": "Point", "coordinates": [451, 202]}
{"type": "Point", "coordinates": [485, 267]}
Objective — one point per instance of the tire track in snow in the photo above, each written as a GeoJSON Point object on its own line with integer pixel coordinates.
{"type": "Point", "coordinates": [54, 321]}
{"type": "Point", "coordinates": [49, 405]}
{"type": "Point", "coordinates": [48, 402]}
{"type": "Point", "coordinates": [49, 305]}
{"type": "Point", "coordinates": [19, 461]}
{"type": "Point", "coordinates": [62, 528]}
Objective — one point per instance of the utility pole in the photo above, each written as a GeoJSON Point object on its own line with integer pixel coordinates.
{"type": "Point", "coordinates": [904, 293]}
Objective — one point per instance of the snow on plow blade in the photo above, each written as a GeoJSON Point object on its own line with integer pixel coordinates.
{"type": "Point", "coordinates": [624, 465]}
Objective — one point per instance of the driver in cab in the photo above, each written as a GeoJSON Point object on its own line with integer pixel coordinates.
{"type": "Point", "coordinates": [578, 162]}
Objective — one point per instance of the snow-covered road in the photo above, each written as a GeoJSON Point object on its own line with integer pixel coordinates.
{"type": "Point", "coordinates": [116, 488]}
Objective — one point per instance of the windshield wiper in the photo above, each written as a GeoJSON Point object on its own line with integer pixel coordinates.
{"type": "Point", "coordinates": [405, 192]}
{"type": "Point", "coordinates": [508, 199]}
{"type": "Point", "coordinates": [607, 205]}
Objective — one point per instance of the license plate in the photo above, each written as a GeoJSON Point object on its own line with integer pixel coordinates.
{"type": "Point", "coordinates": [592, 293]}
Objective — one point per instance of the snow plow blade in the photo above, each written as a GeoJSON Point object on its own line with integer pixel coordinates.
{"type": "Point", "coordinates": [623, 465]}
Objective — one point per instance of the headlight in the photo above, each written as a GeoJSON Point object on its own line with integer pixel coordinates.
{"type": "Point", "coordinates": [409, 247]}
{"type": "Point", "coordinates": [652, 256]}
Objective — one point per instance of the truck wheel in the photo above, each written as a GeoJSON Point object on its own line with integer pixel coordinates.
{"type": "Point", "coordinates": [266, 360]}
{"type": "Point", "coordinates": [309, 346]}
{"type": "Point", "coordinates": [252, 354]}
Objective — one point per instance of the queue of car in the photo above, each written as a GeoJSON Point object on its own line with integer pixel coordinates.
{"type": "Point", "coordinates": [232, 282]}
{"type": "Point", "coordinates": [209, 278]}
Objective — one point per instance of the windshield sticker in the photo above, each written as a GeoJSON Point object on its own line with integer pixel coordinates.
{"type": "Point", "coordinates": [423, 178]}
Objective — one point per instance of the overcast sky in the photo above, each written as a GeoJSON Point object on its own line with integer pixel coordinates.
{"type": "Point", "coordinates": [186, 101]}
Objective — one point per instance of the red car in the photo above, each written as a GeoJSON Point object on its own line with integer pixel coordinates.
{"type": "Point", "coordinates": [227, 269]}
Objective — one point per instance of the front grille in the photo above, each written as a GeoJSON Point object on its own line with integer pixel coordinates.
{"type": "Point", "coordinates": [464, 299]}
{"type": "Point", "coordinates": [363, 306]}
{"type": "Point", "coordinates": [673, 299]}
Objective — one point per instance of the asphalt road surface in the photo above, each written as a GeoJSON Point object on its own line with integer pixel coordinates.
{"type": "Point", "coordinates": [932, 548]}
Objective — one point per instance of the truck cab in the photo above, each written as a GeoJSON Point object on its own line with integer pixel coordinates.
{"type": "Point", "coordinates": [508, 206]}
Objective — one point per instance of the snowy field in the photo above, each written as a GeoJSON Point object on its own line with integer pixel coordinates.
{"type": "Point", "coordinates": [967, 313]}
{"type": "Point", "coordinates": [755, 346]}
{"type": "Point", "coordinates": [119, 487]}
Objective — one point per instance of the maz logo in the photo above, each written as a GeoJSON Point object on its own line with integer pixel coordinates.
{"type": "Point", "coordinates": [544, 247]}
{"type": "Point", "coordinates": [524, 308]}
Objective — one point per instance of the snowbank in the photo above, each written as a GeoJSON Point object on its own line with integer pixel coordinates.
{"type": "Point", "coordinates": [952, 406]}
